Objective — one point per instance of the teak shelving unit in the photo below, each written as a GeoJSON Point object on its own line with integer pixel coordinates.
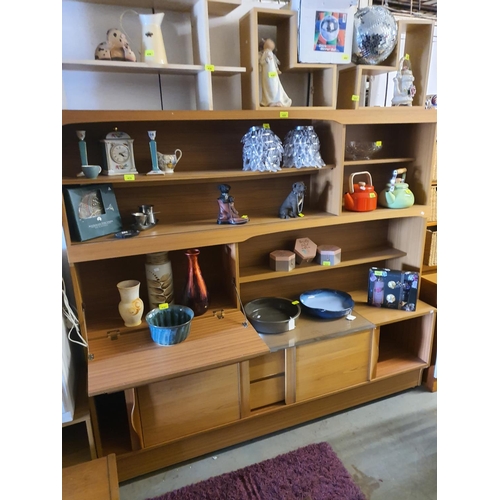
{"type": "Point", "coordinates": [202, 68]}
{"type": "Point", "coordinates": [156, 406]}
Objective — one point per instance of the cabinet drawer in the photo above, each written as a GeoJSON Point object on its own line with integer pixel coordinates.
{"type": "Point", "coordinates": [331, 365]}
{"type": "Point", "coordinates": [189, 404]}
{"type": "Point", "coordinates": [267, 365]}
{"type": "Point", "coordinates": [266, 392]}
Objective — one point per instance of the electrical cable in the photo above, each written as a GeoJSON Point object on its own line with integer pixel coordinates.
{"type": "Point", "coordinates": [71, 317]}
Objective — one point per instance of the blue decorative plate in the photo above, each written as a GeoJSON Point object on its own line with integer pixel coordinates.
{"type": "Point", "coordinates": [326, 303]}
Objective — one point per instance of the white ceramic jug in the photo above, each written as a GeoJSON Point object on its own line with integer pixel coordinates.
{"type": "Point", "coordinates": [153, 48]}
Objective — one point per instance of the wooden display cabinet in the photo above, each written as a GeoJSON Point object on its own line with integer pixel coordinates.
{"type": "Point", "coordinates": [324, 76]}
{"type": "Point", "coordinates": [415, 39]}
{"type": "Point", "coordinates": [202, 70]}
{"type": "Point", "coordinates": [231, 383]}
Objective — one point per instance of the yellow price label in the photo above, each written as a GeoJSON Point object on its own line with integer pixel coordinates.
{"type": "Point", "coordinates": [355, 98]}
{"type": "Point", "coordinates": [295, 302]}
{"type": "Point", "coordinates": [129, 177]}
{"type": "Point", "coordinates": [265, 125]}
{"type": "Point", "coordinates": [301, 215]}
{"type": "Point", "coordinates": [149, 53]}
{"type": "Point", "coordinates": [372, 195]}
{"type": "Point", "coordinates": [326, 263]}
{"type": "Point", "coordinates": [345, 57]}
{"type": "Point", "coordinates": [209, 67]}
{"type": "Point", "coordinates": [163, 306]}
{"type": "Point", "coordinates": [378, 143]}
{"type": "Point", "coordinates": [272, 74]}
{"type": "Point", "coordinates": [407, 57]}
{"type": "Point", "coordinates": [283, 114]}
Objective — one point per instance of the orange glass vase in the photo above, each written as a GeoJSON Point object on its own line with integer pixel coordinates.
{"type": "Point", "coordinates": [195, 293]}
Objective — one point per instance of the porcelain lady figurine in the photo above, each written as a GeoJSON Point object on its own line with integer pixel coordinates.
{"type": "Point", "coordinates": [273, 93]}
{"type": "Point", "coordinates": [404, 90]}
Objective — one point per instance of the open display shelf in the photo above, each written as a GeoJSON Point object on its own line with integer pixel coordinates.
{"type": "Point", "coordinates": [226, 383]}
{"type": "Point", "coordinates": [415, 40]}
{"type": "Point", "coordinates": [324, 76]}
{"type": "Point", "coordinates": [147, 68]}
{"type": "Point", "coordinates": [201, 69]}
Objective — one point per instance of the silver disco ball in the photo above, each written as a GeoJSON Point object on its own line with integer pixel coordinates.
{"type": "Point", "coordinates": [375, 35]}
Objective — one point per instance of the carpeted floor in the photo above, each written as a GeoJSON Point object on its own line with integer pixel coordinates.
{"type": "Point", "coordinates": [313, 472]}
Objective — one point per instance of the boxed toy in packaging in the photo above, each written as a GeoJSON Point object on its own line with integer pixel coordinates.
{"type": "Point", "coordinates": [393, 289]}
{"type": "Point", "coordinates": [326, 29]}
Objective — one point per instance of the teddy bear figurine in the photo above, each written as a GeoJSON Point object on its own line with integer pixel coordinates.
{"type": "Point", "coordinates": [115, 48]}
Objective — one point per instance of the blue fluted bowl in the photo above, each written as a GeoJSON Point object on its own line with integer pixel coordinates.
{"type": "Point", "coordinates": [170, 326]}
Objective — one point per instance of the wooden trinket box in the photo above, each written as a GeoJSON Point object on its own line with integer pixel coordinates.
{"type": "Point", "coordinates": [305, 250]}
{"type": "Point", "coordinates": [328, 255]}
{"type": "Point", "coordinates": [282, 260]}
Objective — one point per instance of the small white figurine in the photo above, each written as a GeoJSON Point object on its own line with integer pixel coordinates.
{"type": "Point", "coordinates": [273, 93]}
{"type": "Point", "coordinates": [404, 90]}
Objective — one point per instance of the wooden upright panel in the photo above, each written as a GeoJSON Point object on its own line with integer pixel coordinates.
{"type": "Point", "coordinates": [331, 365]}
{"type": "Point", "coordinates": [97, 479]}
{"type": "Point", "coordinates": [189, 404]}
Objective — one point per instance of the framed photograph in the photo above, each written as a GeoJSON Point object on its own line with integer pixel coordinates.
{"type": "Point", "coordinates": [92, 211]}
{"type": "Point", "coordinates": [326, 29]}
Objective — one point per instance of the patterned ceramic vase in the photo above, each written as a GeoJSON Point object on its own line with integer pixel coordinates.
{"type": "Point", "coordinates": [131, 306]}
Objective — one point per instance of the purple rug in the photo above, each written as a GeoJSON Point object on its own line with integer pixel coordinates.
{"type": "Point", "coordinates": [310, 473]}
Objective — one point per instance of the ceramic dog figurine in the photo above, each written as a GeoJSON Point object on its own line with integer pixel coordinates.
{"type": "Point", "coordinates": [115, 48]}
{"type": "Point", "coordinates": [294, 202]}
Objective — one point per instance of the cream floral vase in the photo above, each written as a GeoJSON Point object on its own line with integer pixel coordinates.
{"type": "Point", "coordinates": [131, 305]}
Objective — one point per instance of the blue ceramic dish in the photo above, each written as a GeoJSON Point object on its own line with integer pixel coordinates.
{"type": "Point", "coordinates": [326, 303]}
{"type": "Point", "coordinates": [170, 326]}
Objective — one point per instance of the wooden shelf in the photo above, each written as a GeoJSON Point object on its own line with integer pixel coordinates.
{"type": "Point", "coordinates": [382, 316]}
{"type": "Point", "coordinates": [258, 273]}
{"type": "Point", "coordinates": [394, 360]}
{"type": "Point", "coordinates": [180, 177]}
{"type": "Point", "coordinates": [75, 445]}
{"type": "Point", "coordinates": [133, 359]}
{"type": "Point", "coordinates": [394, 115]}
{"type": "Point", "coordinates": [215, 7]}
{"type": "Point", "coordinates": [96, 479]}
{"type": "Point", "coordinates": [145, 68]}
{"type": "Point", "coordinates": [428, 269]}
{"type": "Point", "coordinates": [367, 69]}
{"type": "Point", "coordinates": [381, 161]}
{"type": "Point", "coordinates": [78, 443]}
{"type": "Point", "coordinates": [178, 236]}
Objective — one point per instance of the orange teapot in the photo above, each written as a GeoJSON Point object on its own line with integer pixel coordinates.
{"type": "Point", "coordinates": [361, 197]}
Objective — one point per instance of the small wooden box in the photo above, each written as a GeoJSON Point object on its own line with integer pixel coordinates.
{"type": "Point", "coordinates": [305, 250]}
{"type": "Point", "coordinates": [282, 260]}
{"type": "Point", "coordinates": [328, 255]}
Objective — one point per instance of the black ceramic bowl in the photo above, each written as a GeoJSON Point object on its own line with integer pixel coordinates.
{"type": "Point", "coordinates": [272, 314]}
{"type": "Point", "coordinates": [326, 303]}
